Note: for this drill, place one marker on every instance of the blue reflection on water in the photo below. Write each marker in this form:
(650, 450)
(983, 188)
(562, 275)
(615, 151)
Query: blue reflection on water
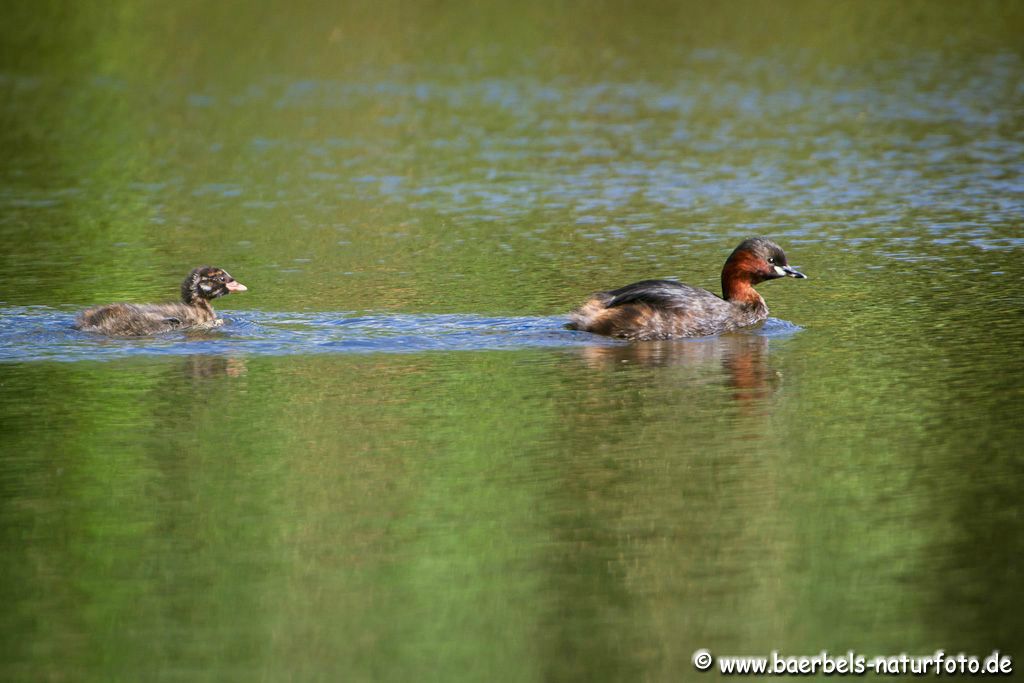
(32, 333)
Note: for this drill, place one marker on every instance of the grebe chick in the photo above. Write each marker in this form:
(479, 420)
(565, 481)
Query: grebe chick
(665, 309)
(133, 320)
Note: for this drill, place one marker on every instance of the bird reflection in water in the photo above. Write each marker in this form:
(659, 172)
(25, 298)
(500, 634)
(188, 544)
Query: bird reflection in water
(743, 359)
(201, 367)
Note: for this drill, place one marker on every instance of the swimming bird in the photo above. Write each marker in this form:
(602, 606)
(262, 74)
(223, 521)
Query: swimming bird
(666, 309)
(201, 286)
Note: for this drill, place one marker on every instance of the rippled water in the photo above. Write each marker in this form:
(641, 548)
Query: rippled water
(393, 462)
(38, 333)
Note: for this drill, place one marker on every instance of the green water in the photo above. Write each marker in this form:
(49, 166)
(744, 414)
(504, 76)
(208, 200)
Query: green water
(245, 509)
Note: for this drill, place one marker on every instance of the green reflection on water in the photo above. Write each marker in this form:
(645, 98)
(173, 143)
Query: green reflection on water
(596, 513)
(566, 513)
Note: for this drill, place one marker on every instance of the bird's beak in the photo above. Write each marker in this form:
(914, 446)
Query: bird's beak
(236, 286)
(789, 271)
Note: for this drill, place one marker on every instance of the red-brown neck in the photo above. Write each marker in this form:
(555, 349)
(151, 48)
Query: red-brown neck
(739, 275)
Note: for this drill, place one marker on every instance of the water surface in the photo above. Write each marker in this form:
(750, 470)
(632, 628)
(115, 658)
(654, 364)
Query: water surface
(392, 462)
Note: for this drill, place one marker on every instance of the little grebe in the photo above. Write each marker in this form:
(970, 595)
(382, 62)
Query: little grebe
(132, 320)
(664, 309)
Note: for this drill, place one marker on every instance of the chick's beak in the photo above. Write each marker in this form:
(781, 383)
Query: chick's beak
(235, 286)
(789, 271)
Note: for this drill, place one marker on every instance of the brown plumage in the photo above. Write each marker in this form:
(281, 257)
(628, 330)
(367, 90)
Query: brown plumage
(133, 320)
(665, 309)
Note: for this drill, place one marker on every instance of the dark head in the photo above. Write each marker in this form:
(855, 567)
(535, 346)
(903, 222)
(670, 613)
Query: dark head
(756, 259)
(207, 282)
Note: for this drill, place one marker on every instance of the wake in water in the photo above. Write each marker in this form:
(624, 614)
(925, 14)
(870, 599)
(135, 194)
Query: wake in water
(40, 333)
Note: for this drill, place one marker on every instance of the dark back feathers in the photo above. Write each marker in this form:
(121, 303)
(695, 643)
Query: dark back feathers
(658, 293)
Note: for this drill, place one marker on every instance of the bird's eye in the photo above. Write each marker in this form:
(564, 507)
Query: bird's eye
(771, 259)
